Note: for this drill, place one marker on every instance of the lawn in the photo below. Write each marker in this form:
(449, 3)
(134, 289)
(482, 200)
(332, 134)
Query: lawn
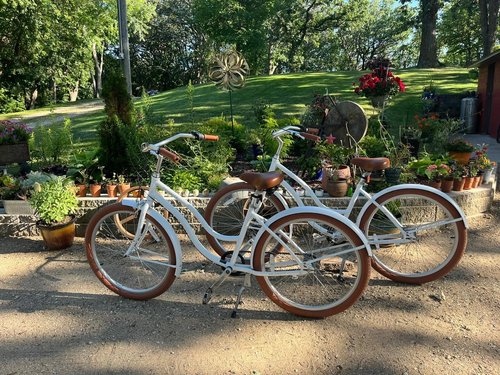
(288, 94)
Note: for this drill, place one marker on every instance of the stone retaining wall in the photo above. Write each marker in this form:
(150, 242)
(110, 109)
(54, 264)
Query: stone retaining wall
(473, 202)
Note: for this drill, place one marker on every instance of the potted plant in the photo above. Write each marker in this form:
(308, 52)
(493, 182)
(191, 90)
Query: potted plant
(458, 173)
(380, 83)
(336, 186)
(459, 150)
(399, 155)
(97, 178)
(335, 161)
(436, 172)
(123, 185)
(14, 142)
(112, 186)
(55, 203)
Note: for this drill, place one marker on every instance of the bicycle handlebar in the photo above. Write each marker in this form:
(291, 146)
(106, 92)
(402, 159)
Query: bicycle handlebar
(158, 149)
(299, 132)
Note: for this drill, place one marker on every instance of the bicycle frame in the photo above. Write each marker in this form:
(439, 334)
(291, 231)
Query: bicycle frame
(358, 192)
(146, 206)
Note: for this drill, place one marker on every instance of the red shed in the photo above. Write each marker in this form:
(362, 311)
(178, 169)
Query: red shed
(488, 89)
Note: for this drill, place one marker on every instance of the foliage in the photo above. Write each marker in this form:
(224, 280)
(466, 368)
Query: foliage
(459, 145)
(437, 172)
(372, 147)
(9, 187)
(335, 154)
(52, 143)
(117, 100)
(183, 178)
(53, 200)
(480, 157)
(381, 81)
(84, 166)
(8, 103)
(437, 131)
(12, 132)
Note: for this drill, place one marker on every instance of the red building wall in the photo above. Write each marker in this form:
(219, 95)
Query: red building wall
(490, 125)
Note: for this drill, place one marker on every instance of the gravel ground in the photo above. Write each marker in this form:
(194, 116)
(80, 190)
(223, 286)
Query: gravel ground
(56, 318)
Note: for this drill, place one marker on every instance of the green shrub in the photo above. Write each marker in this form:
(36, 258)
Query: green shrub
(9, 104)
(372, 146)
(52, 143)
(54, 200)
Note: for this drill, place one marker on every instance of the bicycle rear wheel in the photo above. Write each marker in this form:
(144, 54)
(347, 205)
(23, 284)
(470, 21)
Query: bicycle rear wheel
(332, 281)
(227, 209)
(147, 271)
(434, 241)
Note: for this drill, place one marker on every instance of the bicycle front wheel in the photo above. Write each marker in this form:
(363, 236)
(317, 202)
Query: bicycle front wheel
(335, 261)
(141, 269)
(227, 209)
(430, 242)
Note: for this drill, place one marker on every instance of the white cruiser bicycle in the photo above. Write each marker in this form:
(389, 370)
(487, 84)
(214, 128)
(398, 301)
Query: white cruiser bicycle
(417, 233)
(135, 252)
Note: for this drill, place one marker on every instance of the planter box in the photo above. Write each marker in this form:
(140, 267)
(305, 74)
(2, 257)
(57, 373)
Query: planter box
(17, 153)
(17, 207)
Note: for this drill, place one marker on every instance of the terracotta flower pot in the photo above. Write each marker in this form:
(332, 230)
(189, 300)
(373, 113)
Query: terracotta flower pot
(468, 182)
(461, 158)
(343, 172)
(81, 190)
(458, 184)
(446, 186)
(95, 190)
(123, 187)
(337, 188)
(112, 190)
(58, 236)
(475, 182)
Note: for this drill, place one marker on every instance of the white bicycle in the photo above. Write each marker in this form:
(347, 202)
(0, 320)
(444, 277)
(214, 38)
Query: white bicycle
(134, 250)
(417, 233)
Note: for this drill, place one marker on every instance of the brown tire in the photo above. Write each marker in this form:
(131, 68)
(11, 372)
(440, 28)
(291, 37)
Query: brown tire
(331, 285)
(226, 210)
(428, 254)
(143, 274)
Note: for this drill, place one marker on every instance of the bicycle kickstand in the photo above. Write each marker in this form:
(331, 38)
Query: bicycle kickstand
(246, 284)
(208, 293)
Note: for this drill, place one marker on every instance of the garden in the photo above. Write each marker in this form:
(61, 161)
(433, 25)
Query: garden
(428, 150)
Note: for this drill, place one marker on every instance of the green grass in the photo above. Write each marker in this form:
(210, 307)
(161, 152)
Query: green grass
(288, 94)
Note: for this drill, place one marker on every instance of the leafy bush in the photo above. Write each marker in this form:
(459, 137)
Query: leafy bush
(54, 200)
(183, 178)
(52, 143)
(9, 104)
(372, 146)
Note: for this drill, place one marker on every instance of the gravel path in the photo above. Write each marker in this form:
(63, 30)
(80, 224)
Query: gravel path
(56, 318)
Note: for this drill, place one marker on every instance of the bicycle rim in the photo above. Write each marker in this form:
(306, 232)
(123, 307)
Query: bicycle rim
(147, 271)
(332, 282)
(434, 242)
(227, 209)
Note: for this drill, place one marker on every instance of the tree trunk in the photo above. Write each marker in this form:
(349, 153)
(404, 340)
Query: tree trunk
(30, 98)
(428, 45)
(73, 92)
(98, 65)
(488, 13)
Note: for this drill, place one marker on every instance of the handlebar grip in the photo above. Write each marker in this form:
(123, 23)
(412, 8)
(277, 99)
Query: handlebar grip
(314, 131)
(312, 137)
(169, 155)
(210, 137)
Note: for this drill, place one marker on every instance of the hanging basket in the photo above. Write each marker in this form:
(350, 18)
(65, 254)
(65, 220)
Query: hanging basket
(378, 101)
(16, 153)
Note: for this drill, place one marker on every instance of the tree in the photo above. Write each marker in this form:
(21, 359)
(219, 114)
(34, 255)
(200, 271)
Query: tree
(428, 57)
(459, 32)
(488, 12)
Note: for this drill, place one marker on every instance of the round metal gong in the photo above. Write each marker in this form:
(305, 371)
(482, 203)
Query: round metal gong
(346, 121)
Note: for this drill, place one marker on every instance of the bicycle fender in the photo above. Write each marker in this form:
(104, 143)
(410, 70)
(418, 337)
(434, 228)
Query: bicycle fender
(133, 202)
(417, 187)
(314, 210)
